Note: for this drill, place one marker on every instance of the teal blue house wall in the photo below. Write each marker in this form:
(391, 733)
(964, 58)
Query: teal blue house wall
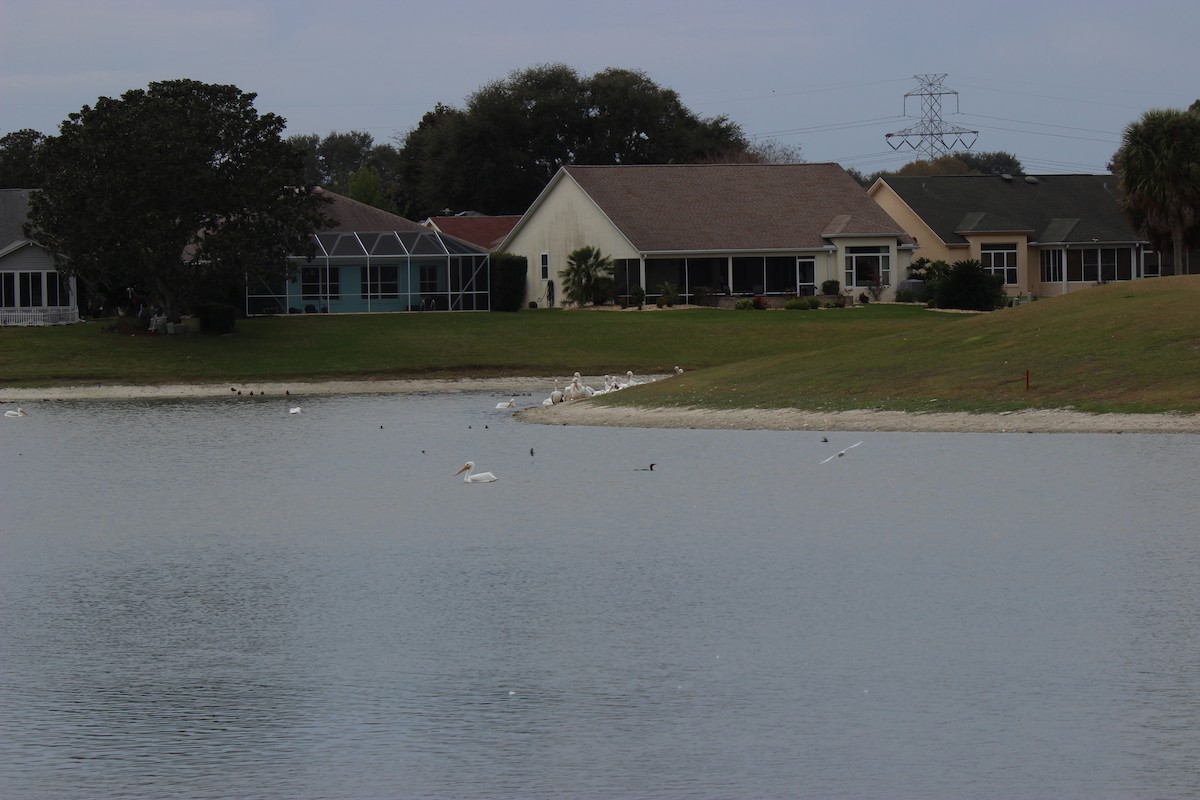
(375, 262)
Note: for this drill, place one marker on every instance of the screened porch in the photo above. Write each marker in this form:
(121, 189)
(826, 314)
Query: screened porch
(385, 271)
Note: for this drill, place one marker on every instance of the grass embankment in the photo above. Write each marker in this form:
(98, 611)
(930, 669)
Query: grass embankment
(1125, 347)
(1131, 347)
(360, 347)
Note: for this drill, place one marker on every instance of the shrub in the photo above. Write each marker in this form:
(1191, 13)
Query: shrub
(814, 303)
(744, 304)
(702, 296)
(905, 296)
(796, 304)
(508, 273)
(668, 294)
(968, 286)
(604, 290)
(863, 298)
(831, 287)
(217, 317)
(761, 303)
(637, 296)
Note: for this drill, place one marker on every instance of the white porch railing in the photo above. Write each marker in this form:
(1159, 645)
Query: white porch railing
(39, 316)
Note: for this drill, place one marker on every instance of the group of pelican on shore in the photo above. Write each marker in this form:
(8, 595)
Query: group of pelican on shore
(576, 389)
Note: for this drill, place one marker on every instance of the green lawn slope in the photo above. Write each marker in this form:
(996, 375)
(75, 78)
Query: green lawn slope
(1132, 346)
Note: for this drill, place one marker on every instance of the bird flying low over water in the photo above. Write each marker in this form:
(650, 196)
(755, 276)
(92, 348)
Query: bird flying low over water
(840, 453)
(474, 477)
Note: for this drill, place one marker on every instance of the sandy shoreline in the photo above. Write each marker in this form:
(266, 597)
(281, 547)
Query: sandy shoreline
(528, 393)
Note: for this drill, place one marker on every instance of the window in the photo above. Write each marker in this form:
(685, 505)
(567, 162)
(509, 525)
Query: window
(58, 289)
(429, 279)
(545, 266)
(1151, 264)
(318, 283)
(30, 284)
(1052, 266)
(380, 283)
(780, 273)
(806, 276)
(8, 289)
(1000, 259)
(868, 266)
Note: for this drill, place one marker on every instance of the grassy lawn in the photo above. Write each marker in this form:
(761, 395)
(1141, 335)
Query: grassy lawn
(1121, 347)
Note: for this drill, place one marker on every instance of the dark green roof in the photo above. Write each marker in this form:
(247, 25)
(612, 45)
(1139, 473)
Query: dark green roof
(1050, 209)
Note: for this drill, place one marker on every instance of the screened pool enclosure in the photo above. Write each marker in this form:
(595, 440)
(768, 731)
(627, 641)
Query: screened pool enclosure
(383, 271)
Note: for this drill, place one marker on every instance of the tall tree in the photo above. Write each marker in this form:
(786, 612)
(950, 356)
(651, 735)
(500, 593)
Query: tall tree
(995, 162)
(1158, 176)
(173, 192)
(18, 159)
(498, 153)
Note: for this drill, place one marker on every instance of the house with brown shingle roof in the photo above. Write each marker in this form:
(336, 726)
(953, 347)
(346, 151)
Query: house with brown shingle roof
(369, 260)
(727, 229)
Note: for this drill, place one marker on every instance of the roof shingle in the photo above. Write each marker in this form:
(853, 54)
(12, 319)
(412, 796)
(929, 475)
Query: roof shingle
(727, 207)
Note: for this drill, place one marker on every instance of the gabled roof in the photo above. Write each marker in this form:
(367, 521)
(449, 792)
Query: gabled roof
(664, 208)
(478, 229)
(359, 229)
(1058, 209)
(351, 216)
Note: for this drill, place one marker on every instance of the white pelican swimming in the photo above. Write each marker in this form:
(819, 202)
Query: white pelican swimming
(474, 477)
(840, 453)
(295, 410)
(510, 404)
(20, 412)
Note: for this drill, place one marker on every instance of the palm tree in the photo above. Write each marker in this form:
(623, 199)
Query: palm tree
(1158, 175)
(584, 266)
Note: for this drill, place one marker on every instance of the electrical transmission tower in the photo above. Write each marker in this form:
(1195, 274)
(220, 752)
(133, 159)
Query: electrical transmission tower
(931, 137)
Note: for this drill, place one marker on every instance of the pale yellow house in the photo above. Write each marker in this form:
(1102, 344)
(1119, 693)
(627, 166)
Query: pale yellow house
(726, 230)
(1043, 234)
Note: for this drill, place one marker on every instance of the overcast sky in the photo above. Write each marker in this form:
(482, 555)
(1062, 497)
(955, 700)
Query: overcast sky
(1052, 82)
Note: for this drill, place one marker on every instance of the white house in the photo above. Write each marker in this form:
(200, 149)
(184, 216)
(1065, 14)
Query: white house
(712, 229)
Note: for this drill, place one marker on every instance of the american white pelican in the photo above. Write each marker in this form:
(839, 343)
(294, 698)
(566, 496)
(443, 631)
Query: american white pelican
(578, 389)
(678, 370)
(295, 410)
(20, 412)
(840, 453)
(646, 469)
(474, 477)
(510, 404)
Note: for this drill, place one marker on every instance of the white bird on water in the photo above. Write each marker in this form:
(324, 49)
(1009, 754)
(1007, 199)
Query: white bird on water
(510, 404)
(20, 412)
(472, 476)
(840, 453)
(295, 410)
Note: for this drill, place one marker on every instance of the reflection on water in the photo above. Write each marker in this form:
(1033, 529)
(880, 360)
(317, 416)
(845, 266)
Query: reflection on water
(214, 599)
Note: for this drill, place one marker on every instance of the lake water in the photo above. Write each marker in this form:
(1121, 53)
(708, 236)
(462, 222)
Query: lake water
(212, 599)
